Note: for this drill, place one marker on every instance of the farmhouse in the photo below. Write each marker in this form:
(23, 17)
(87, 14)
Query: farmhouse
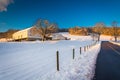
(27, 34)
(32, 34)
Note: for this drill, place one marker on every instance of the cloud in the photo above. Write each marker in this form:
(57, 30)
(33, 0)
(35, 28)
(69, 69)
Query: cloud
(4, 4)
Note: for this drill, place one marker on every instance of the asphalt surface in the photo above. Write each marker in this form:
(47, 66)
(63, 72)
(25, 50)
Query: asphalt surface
(108, 62)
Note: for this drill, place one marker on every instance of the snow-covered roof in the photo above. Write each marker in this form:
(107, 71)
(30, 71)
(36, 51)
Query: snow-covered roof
(24, 29)
(57, 36)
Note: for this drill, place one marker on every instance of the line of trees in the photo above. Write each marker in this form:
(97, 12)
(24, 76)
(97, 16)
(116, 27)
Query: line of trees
(97, 30)
(78, 31)
(8, 34)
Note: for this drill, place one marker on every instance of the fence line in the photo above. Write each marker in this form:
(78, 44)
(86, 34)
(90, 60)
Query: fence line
(85, 48)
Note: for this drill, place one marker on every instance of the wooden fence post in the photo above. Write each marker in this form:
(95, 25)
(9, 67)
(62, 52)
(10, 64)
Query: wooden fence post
(57, 58)
(84, 48)
(87, 47)
(73, 53)
(80, 50)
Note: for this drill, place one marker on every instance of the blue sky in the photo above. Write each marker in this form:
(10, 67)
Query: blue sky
(66, 13)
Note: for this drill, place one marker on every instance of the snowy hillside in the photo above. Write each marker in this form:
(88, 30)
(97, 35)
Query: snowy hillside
(37, 60)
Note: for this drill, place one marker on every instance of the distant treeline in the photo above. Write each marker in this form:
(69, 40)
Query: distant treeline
(86, 31)
(99, 28)
(7, 34)
(78, 31)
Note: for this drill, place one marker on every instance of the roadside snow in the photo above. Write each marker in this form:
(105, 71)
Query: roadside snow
(82, 68)
(117, 43)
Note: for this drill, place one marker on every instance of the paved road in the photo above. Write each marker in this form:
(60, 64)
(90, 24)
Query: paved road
(108, 62)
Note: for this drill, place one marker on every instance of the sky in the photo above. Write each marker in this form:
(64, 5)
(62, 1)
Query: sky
(21, 14)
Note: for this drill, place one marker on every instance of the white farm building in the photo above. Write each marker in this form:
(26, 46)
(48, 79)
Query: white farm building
(27, 34)
(58, 36)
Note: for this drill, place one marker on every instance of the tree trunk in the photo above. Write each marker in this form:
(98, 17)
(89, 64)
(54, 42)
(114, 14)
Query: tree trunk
(99, 37)
(93, 36)
(115, 38)
(43, 38)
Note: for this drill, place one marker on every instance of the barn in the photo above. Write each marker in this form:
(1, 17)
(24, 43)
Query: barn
(58, 36)
(27, 34)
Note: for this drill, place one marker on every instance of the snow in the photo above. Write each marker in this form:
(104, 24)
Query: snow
(3, 40)
(37, 60)
(116, 43)
(82, 68)
(106, 38)
(83, 38)
(80, 38)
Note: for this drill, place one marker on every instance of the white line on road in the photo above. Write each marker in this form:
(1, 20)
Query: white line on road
(114, 49)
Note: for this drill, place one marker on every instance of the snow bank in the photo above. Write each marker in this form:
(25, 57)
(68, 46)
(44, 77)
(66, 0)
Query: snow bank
(117, 43)
(82, 68)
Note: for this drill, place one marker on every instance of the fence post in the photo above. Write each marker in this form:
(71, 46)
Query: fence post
(80, 50)
(84, 48)
(73, 53)
(57, 57)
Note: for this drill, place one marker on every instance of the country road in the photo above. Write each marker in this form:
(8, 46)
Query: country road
(108, 62)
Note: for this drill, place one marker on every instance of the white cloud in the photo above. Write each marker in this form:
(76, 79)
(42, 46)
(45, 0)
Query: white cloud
(4, 4)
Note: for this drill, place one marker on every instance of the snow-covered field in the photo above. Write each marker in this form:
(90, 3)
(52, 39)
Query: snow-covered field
(37, 60)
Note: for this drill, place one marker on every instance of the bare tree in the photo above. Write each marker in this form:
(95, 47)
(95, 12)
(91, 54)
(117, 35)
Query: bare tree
(115, 30)
(98, 28)
(45, 28)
